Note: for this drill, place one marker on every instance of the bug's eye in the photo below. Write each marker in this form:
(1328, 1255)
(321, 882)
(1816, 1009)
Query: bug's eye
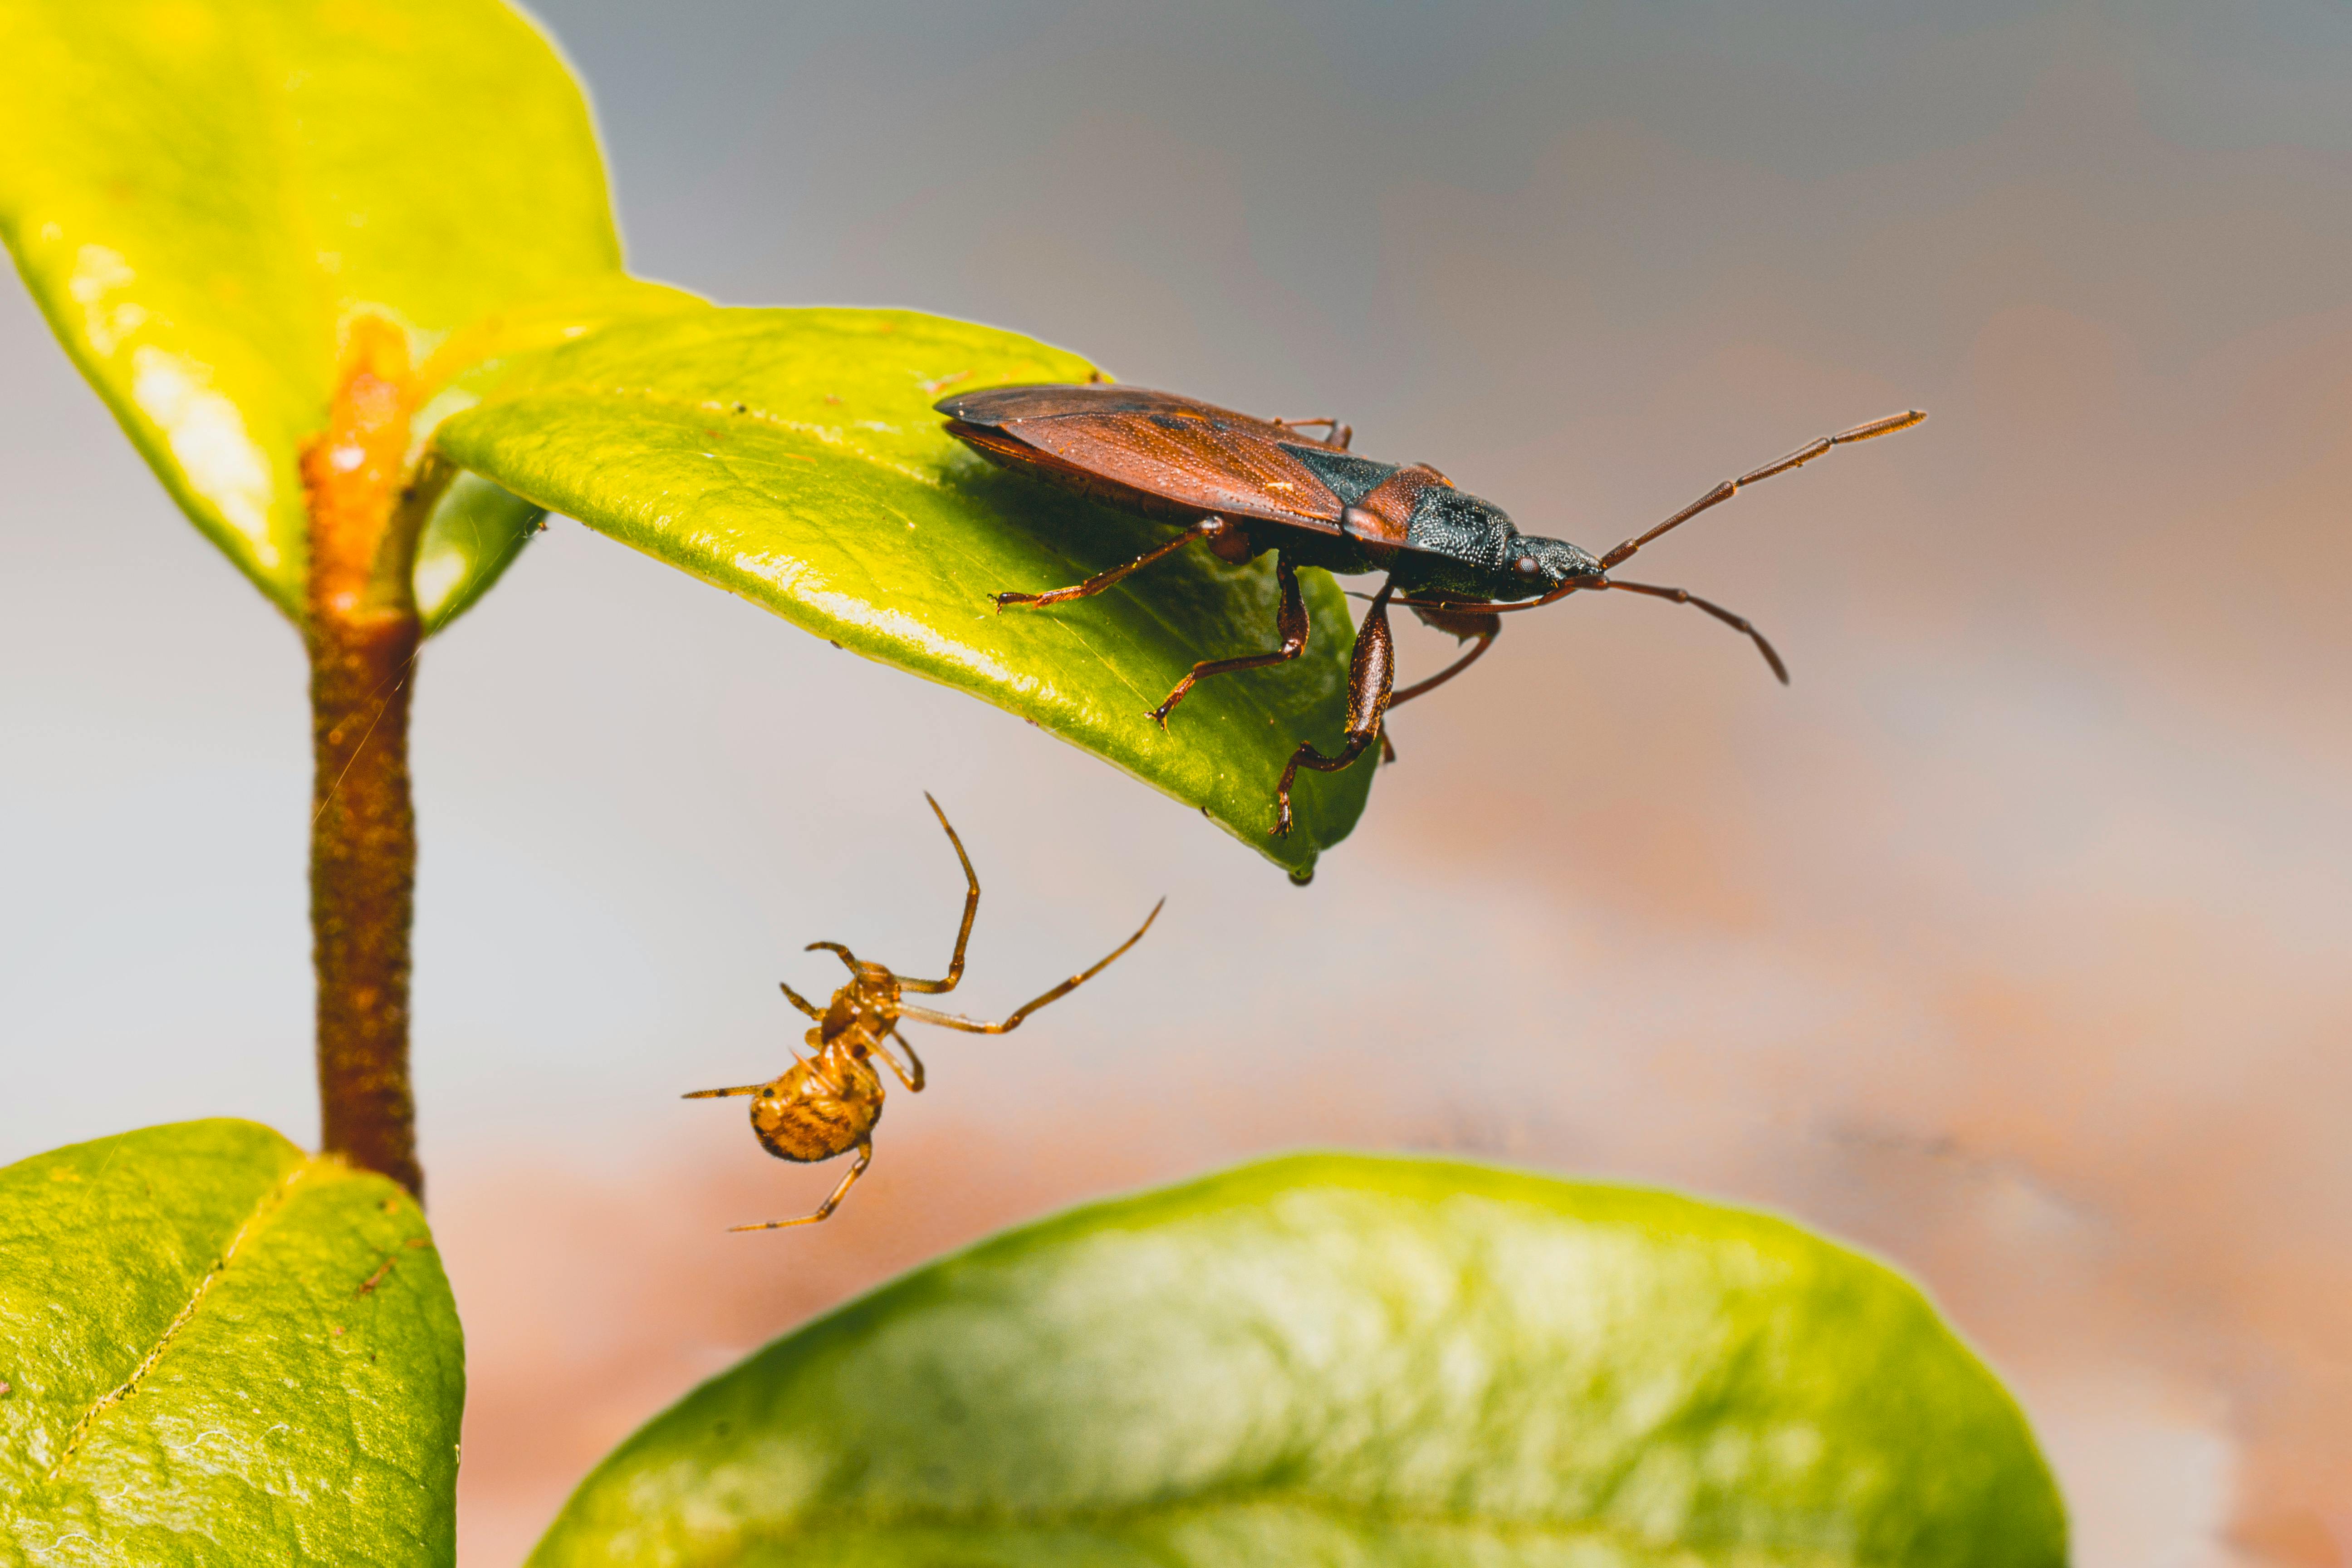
(1526, 566)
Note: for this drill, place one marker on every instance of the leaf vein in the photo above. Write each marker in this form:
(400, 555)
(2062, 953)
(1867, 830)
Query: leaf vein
(268, 1205)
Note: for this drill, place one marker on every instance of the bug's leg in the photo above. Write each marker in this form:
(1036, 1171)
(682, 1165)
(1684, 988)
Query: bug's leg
(723, 1093)
(1371, 671)
(1339, 435)
(803, 1002)
(865, 1158)
(1289, 623)
(980, 1026)
(1796, 460)
(1307, 756)
(1207, 528)
(847, 957)
(970, 908)
(1738, 622)
(914, 1080)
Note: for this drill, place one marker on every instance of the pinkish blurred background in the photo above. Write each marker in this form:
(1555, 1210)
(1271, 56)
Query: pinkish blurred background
(2013, 943)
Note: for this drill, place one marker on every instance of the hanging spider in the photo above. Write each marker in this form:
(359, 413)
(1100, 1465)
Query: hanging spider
(827, 1103)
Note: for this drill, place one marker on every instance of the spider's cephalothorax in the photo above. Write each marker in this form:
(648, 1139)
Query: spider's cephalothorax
(828, 1102)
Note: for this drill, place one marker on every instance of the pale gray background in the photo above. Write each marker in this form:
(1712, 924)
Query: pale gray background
(2012, 942)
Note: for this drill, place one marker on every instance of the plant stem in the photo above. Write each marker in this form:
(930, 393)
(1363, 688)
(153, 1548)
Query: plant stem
(363, 633)
(363, 877)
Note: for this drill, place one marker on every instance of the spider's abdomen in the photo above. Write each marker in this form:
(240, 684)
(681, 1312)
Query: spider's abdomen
(820, 1109)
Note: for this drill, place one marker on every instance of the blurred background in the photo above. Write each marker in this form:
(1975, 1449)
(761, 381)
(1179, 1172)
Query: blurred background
(2013, 943)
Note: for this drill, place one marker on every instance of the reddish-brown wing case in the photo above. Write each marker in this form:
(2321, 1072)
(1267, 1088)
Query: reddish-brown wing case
(1149, 452)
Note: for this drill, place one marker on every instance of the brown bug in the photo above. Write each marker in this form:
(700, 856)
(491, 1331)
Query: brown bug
(1242, 486)
(827, 1102)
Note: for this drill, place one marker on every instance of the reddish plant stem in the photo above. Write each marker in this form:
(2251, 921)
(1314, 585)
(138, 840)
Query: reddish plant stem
(363, 880)
(362, 631)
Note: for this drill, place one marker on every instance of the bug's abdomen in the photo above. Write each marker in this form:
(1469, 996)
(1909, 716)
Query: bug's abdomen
(818, 1110)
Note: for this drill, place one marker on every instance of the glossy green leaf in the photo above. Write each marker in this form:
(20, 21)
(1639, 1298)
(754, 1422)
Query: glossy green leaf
(218, 1350)
(793, 457)
(1329, 1359)
(203, 194)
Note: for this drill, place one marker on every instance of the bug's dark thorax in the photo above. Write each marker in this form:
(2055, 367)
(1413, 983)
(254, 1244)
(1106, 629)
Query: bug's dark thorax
(1409, 521)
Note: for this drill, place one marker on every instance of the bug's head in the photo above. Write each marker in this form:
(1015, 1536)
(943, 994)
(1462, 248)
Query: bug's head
(823, 1106)
(1471, 548)
(1535, 566)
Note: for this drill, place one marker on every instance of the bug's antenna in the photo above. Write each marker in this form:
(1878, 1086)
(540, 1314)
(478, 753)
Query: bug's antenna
(1796, 460)
(1738, 622)
(1589, 585)
(1716, 497)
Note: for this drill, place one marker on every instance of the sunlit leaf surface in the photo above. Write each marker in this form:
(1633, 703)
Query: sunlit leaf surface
(202, 195)
(1337, 1360)
(793, 457)
(218, 1350)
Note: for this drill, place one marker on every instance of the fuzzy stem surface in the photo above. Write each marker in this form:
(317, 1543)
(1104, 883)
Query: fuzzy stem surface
(361, 631)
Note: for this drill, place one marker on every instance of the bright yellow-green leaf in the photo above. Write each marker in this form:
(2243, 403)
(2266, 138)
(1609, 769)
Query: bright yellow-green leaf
(1337, 1360)
(793, 457)
(203, 194)
(218, 1350)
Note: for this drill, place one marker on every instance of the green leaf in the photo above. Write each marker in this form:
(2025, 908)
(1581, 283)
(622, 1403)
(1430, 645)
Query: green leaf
(218, 1350)
(793, 457)
(1342, 1360)
(203, 194)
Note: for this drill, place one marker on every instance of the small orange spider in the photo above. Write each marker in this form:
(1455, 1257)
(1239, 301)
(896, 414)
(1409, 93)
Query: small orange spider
(827, 1103)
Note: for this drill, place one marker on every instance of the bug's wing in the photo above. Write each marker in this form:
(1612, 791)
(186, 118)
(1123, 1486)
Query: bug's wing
(1166, 453)
(1011, 405)
(1200, 465)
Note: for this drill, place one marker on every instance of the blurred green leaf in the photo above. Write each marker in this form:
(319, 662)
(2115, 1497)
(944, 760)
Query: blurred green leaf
(1341, 1359)
(202, 195)
(218, 1350)
(793, 457)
